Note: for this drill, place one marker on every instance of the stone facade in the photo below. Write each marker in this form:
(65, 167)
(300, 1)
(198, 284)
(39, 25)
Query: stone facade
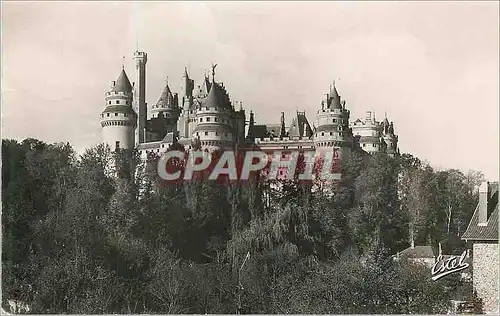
(482, 236)
(204, 116)
(485, 274)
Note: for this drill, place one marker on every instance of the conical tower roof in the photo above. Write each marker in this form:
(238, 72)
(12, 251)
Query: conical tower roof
(217, 97)
(334, 98)
(122, 83)
(166, 100)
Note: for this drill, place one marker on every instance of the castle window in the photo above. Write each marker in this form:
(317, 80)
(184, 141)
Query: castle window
(206, 133)
(334, 120)
(208, 119)
(117, 101)
(374, 145)
(109, 102)
(364, 145)
(331, 133)
(340, 134)
(197, 134)
(201, 119)
(216, 119)
(117, 144)
(107, 114)
(125, 114)
(322, 134)
(116, 114)
(216, 133)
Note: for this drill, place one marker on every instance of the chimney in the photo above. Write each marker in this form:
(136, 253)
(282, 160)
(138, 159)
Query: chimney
(483, 204)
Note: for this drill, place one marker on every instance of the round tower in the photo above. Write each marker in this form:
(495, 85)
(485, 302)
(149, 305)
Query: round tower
(215, 120)
(118, 120)
(370, 133)
(332, 125)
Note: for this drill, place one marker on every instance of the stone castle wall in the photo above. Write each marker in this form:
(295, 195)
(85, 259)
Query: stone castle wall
(485, 274)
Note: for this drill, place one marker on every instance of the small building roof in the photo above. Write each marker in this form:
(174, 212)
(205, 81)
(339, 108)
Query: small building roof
(418, 252)
(299, 126)
(488, 232)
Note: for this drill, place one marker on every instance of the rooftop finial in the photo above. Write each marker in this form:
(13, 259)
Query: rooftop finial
(166, 80)
(123, 62)
(213, 72)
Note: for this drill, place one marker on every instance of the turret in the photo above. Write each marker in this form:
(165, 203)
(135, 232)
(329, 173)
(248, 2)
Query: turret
(118, 120)
(390, 138)
(251, 124)
(332, 124)
(166, 105)
(282, 128)
(216, 120)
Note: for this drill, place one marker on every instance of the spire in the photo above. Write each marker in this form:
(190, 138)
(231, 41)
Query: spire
(391, 128)
(251, 124)
(334, 97)
(186, 73)
(385, 124)
(282, 130)
(122, 83)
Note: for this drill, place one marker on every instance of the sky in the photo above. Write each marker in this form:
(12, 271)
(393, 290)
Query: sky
(432, 66)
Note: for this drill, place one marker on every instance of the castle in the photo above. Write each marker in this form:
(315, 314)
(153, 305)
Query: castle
(203, 116)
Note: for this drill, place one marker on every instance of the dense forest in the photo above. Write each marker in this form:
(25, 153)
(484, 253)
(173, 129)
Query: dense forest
(76, 239)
